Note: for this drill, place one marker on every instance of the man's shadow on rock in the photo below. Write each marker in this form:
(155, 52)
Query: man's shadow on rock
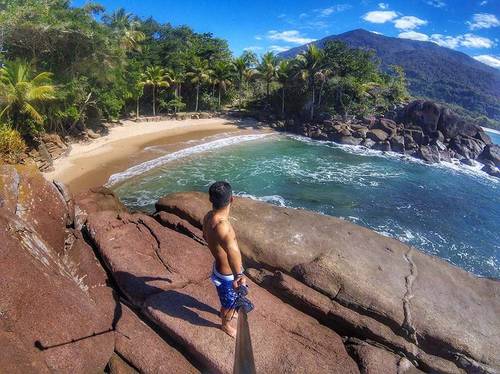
(175, 303)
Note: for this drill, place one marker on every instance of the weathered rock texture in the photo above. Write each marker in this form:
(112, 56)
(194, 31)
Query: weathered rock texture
(43, 299)
(421, 129)
(442, 310)
(167, 275)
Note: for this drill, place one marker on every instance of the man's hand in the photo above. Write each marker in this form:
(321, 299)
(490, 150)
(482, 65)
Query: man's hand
(240, 280)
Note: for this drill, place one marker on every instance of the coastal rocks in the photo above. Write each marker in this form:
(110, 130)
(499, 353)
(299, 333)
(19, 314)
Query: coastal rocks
(146, 351)
(415, 130)
(144, 257)
(492, 153)
(25, 193)
(95, 200)
(284, 340)
(444, 311)
(377, 135)
(48, 305)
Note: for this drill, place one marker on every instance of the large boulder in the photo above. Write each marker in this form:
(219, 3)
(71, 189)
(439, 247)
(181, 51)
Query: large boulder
(284, 340)
(467, 147)
(377, 135)
(452, 125)
(95, 200)
(492, 153)
(43, 303)
(442, 309)
(424, 114)
(145, 257)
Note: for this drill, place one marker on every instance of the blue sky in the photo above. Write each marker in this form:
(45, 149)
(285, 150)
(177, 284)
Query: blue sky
(470, 26)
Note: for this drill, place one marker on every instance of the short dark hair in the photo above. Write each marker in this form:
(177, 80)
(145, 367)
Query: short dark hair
(220, 194)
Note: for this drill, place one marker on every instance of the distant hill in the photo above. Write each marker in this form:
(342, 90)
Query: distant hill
(434, 72)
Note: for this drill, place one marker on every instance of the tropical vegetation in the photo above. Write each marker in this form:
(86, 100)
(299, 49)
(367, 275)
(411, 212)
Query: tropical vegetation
(65, 68)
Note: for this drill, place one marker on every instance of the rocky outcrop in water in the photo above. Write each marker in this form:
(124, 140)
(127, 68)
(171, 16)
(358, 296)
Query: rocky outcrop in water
(365, 285)
(422, 129)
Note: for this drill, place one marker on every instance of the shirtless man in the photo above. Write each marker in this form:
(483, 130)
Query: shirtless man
(227, 273)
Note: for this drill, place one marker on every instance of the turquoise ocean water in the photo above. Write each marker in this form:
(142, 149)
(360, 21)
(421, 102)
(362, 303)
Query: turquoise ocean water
(448, 211)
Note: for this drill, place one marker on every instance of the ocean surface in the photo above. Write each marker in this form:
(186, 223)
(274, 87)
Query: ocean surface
(446, 210)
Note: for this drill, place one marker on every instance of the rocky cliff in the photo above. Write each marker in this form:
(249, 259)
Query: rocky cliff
(88, 286)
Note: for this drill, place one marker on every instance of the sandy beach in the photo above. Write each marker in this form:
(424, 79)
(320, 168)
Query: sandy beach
(90, 164)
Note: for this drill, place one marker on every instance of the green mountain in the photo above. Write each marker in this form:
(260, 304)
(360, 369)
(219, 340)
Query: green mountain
(432, 71)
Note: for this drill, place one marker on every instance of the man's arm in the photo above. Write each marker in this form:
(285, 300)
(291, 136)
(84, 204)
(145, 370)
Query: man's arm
(227, 240)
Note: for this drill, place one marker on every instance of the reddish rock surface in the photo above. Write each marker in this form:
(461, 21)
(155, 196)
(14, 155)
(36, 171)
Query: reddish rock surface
(42, 300)
(95, 200)
(25, 192)
(117, 365)
(284, 340)
(441, 308)
(144, 257)
(140, 346)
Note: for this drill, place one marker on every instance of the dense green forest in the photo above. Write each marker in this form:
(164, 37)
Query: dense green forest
(433, 72)
(65, 67)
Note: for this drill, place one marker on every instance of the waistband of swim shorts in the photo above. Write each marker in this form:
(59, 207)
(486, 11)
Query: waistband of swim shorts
(228, 278)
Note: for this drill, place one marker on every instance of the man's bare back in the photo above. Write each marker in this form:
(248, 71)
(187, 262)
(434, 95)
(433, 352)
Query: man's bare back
(221, 239)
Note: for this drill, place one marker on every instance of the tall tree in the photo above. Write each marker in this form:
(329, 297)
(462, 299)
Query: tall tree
(199, 74)
(155, 77)
(268, 71)
(284, 73)
(125, 27)
(243, 68)
(223, 74)
(309, 63)
(22, 92)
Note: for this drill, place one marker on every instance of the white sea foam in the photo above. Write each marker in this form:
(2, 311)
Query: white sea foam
(272, 199)
(200, 148)
(454, 165)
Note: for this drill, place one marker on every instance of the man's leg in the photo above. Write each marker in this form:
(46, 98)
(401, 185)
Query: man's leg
(226, 318)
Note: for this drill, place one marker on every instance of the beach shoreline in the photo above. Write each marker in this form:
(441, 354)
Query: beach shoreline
(91, 164)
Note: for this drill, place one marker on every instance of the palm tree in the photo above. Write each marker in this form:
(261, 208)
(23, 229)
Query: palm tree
(268, 71)
(284, 73)
(176, 80)
(21, 93)
(242, 66)
(322, 76)
(223, 73)
(199, 74)
(309, 63)
(155, 77)
(125, 26)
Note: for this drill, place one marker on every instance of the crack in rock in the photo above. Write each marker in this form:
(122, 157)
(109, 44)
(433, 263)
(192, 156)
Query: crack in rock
(409, 280)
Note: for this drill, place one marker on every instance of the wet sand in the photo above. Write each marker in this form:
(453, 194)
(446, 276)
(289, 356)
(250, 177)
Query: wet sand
(91, 164)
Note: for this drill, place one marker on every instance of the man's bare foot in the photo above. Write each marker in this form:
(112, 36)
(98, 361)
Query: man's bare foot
(231, 331)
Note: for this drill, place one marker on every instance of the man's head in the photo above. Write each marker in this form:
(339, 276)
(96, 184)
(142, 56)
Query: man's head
(220, 194)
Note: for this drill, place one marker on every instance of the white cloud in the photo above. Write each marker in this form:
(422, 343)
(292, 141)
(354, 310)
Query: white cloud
(289, 36)
(452, 42)
(446, 41)
(483, 21)
(436, 3)
(493, 61)
(409, 23)
(325, 12)
(278, 48)
(483, 3)
(383, 5)
(474, 41)
(258, 37)
(376, 32)
(380, 16)
(413, 35)
(253, 48)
